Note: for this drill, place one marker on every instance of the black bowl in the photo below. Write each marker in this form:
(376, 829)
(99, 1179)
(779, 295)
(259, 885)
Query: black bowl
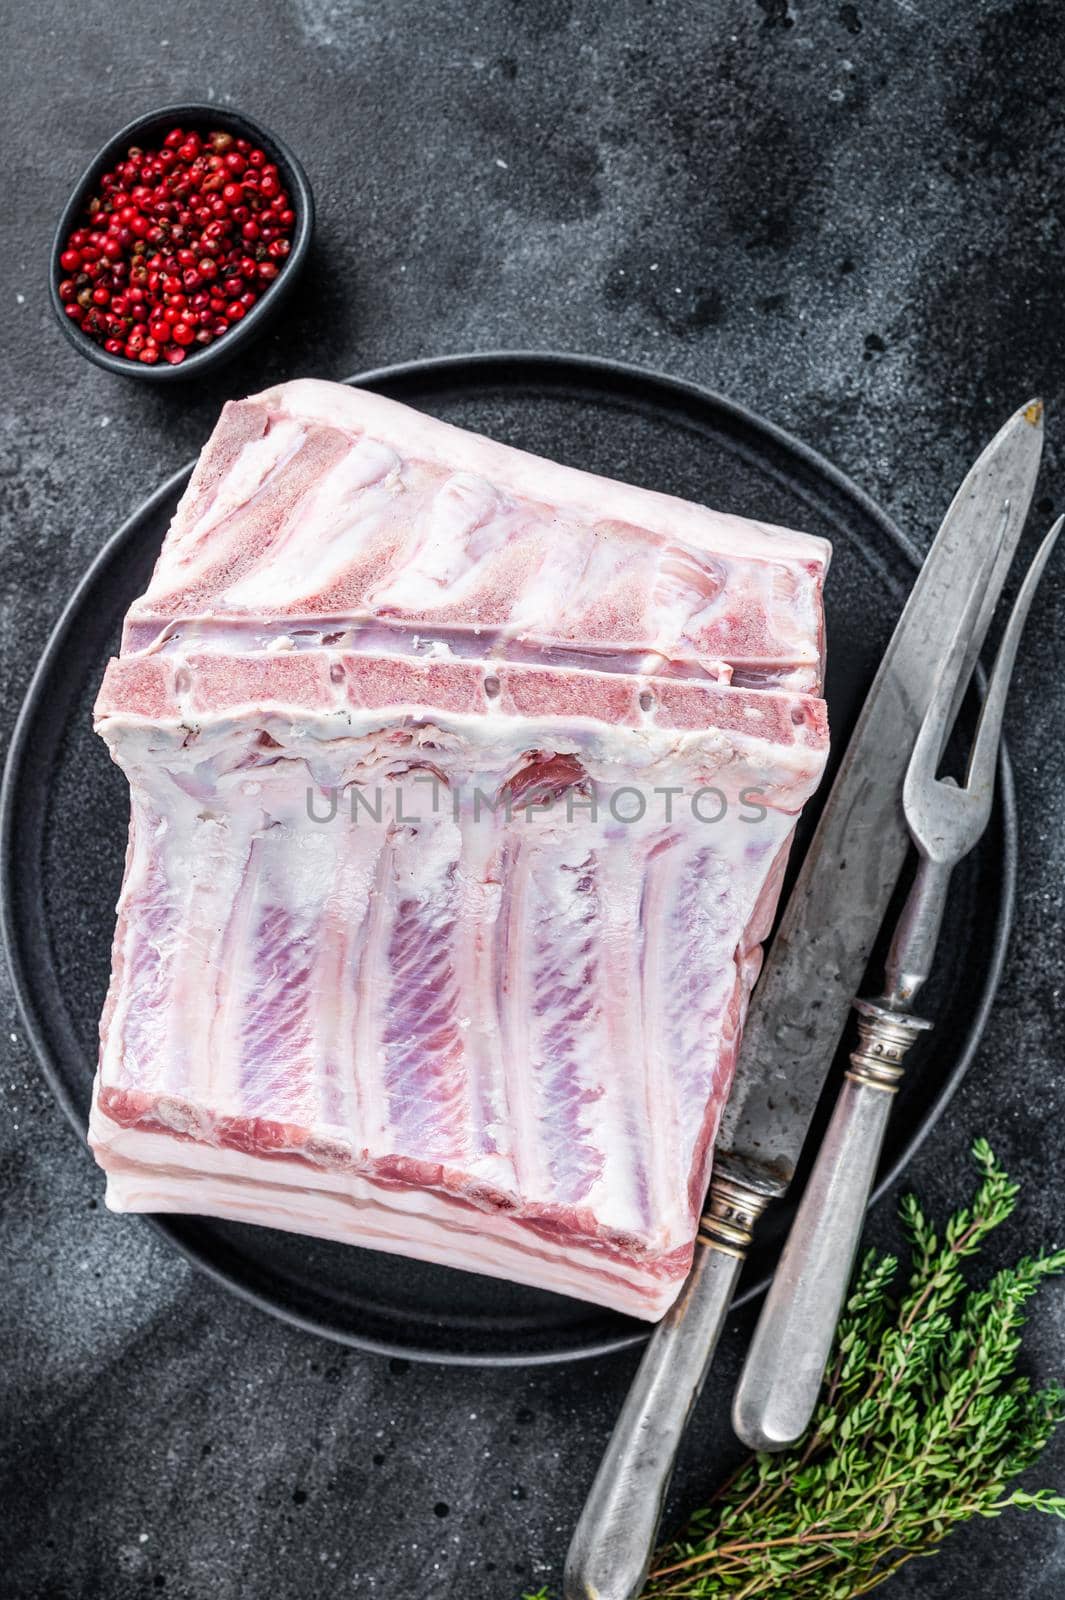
(151, 129)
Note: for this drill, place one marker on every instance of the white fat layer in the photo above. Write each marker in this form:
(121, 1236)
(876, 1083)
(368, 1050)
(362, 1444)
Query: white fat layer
(583, 493)
(613, 753)
(284, 978)
(189, 550)
(314, 550)
(155, 1172)
(494, 538)
(439, 554)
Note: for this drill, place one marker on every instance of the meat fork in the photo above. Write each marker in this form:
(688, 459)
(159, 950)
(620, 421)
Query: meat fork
(781, 1378)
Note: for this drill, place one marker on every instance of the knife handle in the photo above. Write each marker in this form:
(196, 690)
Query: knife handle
(611, 1549)
(781, 1378)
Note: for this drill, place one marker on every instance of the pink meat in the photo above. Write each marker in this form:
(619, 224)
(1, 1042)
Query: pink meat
(445, 887)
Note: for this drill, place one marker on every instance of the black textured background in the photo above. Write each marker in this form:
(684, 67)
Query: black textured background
(847, 216)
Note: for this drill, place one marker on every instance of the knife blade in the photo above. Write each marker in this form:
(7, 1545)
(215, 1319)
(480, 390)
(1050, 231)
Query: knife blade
(799, 1010)
(835, 911)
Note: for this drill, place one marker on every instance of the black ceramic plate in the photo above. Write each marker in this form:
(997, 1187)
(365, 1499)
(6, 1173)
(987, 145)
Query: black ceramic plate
(65, 812)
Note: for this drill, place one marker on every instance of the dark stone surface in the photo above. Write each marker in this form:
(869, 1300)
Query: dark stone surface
(848, 217)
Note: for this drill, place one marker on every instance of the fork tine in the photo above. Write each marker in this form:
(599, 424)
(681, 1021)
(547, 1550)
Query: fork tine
(939, 718)
(980, 776)
(946, 821)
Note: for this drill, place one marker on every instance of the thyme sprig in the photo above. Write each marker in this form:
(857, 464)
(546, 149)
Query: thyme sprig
(922, 1423)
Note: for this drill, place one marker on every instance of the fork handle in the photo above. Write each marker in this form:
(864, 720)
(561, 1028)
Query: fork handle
(781, 1378)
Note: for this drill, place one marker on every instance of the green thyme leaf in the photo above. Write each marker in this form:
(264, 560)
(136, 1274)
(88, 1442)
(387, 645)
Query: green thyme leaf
(922, 1424)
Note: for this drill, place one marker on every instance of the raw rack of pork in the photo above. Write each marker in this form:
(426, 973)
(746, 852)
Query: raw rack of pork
(414, 948)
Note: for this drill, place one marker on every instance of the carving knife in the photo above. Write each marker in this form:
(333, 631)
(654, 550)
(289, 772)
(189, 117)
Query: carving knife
(801, 1005)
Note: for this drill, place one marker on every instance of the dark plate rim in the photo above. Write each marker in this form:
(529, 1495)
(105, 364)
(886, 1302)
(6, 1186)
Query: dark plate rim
(487, 363)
